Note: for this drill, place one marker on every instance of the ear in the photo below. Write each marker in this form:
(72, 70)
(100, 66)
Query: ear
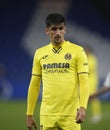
(47, 31)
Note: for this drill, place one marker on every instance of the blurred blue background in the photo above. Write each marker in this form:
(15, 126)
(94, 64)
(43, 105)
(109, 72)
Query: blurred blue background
(22, 30)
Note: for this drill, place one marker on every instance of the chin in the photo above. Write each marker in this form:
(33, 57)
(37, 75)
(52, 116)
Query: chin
(58, 41)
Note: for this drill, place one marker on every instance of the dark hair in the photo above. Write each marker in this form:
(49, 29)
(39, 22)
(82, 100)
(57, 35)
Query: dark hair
(54, 18)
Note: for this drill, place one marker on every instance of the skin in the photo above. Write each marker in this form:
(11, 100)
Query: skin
(31, 123)
(56, 34)
(81, 114)
(103, 90)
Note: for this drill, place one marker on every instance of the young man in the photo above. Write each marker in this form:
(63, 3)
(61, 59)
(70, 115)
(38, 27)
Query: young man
(63, 67)
(104, 89)
(95, 104)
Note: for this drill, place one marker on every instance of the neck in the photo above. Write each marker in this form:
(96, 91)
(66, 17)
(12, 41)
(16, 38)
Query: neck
(57, 44)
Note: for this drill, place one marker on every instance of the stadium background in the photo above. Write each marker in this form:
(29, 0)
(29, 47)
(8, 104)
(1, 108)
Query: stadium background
(22, 31)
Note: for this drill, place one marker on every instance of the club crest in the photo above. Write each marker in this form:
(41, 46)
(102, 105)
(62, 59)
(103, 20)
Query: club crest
(68, 56)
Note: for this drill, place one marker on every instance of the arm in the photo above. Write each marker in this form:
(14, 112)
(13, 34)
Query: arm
(84, 94)
(99, 92)
(33, 93)
(104, 89)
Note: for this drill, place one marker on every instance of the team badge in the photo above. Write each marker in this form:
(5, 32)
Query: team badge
(68, 56)
(44, 57)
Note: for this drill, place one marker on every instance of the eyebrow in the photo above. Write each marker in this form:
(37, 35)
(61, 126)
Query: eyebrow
(55, 28)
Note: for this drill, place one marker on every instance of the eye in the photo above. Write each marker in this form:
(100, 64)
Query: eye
(57, 28)
(53, 28)
(61, 28)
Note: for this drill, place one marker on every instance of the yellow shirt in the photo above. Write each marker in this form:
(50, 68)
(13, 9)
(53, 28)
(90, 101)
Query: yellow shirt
(59, 70)
(93, 75)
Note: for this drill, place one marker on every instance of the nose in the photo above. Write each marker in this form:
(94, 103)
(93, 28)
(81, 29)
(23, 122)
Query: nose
(57, 31)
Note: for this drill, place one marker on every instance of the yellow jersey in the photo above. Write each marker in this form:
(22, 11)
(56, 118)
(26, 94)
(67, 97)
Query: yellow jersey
(59, 69)
(93, 75)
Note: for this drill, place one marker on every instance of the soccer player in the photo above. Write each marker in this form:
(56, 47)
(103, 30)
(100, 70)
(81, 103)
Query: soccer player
(63, 68)
(104, 89)
(95, 104)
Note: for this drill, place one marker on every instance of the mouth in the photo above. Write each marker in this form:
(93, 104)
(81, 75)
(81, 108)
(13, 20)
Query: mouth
(57, 37)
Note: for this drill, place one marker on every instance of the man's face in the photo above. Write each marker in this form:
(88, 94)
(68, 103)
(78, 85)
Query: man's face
(56, 33)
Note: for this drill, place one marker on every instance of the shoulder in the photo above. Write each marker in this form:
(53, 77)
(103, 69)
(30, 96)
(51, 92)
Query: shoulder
(40, 52)
(42, 49)
(74, 45)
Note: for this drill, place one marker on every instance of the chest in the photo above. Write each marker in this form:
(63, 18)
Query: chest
(62, 59)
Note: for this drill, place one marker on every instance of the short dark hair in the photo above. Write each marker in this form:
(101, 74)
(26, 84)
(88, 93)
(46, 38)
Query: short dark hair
(54, 18)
